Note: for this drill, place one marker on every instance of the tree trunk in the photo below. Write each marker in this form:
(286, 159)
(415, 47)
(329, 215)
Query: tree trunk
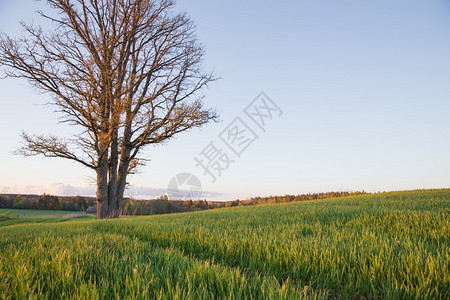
(102, 189)
(113, 201)
(122, 174)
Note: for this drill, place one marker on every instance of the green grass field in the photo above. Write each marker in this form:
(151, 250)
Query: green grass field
(38, 213)
(388, 246)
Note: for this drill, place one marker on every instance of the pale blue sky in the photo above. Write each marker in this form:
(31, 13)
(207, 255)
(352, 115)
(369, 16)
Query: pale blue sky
(364, 87)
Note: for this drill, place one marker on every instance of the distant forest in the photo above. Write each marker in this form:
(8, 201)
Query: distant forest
(161, 205)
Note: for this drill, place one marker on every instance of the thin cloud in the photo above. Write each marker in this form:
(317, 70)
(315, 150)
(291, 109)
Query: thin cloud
(61, 189)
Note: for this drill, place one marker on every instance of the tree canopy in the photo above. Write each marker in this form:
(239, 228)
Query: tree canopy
(127, 72)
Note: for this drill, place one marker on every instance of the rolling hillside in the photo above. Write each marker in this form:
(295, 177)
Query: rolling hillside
(390, 245)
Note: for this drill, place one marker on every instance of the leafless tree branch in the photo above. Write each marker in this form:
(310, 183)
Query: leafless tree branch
(128, 72)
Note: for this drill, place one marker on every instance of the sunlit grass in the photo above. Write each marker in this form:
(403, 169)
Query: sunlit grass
(41, 213)
(393, 245)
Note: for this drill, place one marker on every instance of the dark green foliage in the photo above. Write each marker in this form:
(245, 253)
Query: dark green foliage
(47, 202)
(7, 216)
(293, 198)
(150, 207)
(6, 201)
(18, 202)
(66, 205)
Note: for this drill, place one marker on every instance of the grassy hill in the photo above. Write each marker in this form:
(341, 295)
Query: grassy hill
(41, 213)
(390, 245)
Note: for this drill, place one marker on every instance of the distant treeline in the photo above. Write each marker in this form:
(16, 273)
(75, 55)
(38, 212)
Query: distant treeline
(45, 201)
(293, 198)
(161, 205)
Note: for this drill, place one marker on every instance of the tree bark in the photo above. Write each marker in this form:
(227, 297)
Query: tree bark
(102, 188)
(113, 200)
(122, 175)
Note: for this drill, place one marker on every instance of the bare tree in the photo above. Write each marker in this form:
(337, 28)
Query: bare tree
(127, 72)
